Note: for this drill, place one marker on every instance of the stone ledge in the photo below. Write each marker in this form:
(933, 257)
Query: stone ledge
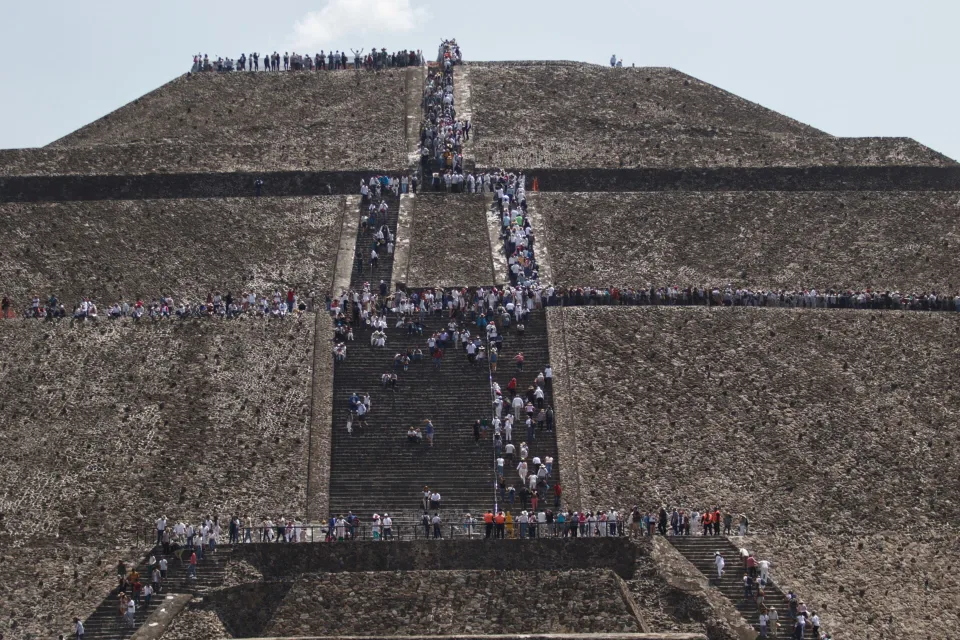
(161, 619)
(513, 636)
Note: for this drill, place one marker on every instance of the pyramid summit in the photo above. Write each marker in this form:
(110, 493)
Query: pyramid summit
(426, 346)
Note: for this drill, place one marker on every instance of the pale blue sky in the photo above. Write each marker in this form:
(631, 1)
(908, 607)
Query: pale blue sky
(851, 68)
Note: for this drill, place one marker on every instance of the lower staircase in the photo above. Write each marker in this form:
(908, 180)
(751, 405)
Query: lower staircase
(700, 550)
(533, 344)
(107, 623)
(375, 468)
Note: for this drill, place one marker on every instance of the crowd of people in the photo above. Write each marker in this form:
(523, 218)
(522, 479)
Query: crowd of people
(441, 134)
(734, 296)
(383, 241)
(249, 303)
(372, 60)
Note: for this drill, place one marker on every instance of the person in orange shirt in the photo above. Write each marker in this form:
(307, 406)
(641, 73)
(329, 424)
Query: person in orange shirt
(500, 520)
(717, 517)
(488, 523)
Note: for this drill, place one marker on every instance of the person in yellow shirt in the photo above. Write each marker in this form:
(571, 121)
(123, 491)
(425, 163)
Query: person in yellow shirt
(509, 522)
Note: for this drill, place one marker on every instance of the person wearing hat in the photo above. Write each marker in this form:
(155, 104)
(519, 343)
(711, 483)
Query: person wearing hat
(720, 562)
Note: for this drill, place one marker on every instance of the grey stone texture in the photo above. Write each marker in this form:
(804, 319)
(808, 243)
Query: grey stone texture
(121, 250)
(581, 115)
(109, 425)
(449, 243)
(830, 429)
(317, 121)
(279, 562)
(192, 624)
(453, 602)
(321, 421)
(905, 241)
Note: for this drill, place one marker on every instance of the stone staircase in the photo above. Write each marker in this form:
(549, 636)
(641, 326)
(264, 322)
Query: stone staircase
(375, 469)
(365, 243)
(536, 354)
(106, 623)
(699, 550)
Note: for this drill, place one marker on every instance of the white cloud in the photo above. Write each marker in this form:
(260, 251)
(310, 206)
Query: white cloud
(339, 20)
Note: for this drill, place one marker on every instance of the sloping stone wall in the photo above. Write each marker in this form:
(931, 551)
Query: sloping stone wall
(832, 430)
(580, 115)
(453, 602)
(906, 241)
(286, 561)
(109, 425)
(449, 243)
(121, 250)
(337, 120)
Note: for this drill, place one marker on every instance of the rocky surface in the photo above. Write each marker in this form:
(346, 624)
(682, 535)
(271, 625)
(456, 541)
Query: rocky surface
(829, 428)
(547, 114)
(906, 241)
(116, 250)
(109, 425)
(323, 120)
(453, 602)
(240, 572)
(192, 624)
(175, 157)
(886, 584)
(449, 243)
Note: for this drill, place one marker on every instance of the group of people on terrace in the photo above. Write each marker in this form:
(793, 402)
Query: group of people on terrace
(250, 303)
(279, 304)
(372, 60)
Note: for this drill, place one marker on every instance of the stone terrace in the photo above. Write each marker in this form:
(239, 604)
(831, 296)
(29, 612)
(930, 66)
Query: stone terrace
(833, 430)
(330, 121)
(886, 240)
(108, 425)
(187, 248)
(449, 242)
(453, 602)
(580, 115)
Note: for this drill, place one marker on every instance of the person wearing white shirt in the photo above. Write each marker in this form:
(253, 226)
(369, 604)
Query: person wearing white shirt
(161, 526)
(387, 527)
(517, 407)
(720, 562)
(764, 570)
(131, 613)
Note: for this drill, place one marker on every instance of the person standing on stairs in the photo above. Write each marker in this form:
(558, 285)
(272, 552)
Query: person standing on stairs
(161, 526)
(428, 430)
(719, 561)
(437, 534)
(131, 613)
